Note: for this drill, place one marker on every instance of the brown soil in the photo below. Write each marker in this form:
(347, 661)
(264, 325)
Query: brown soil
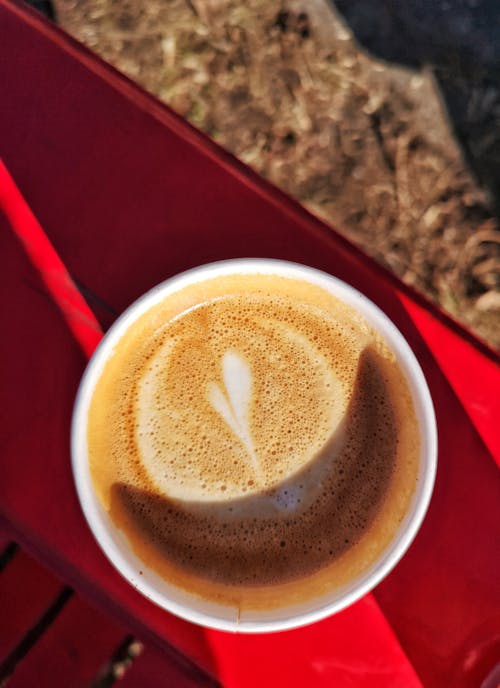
(365, 145)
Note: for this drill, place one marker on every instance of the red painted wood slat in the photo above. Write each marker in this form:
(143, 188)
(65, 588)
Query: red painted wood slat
(154, 669)
(27, 589)
(474, 378)
(324, 654)
(72, 650)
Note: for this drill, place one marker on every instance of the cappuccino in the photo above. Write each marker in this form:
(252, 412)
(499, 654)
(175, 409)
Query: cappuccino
(254, 439)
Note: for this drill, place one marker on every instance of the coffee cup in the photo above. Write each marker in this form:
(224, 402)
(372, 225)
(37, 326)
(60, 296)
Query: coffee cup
(254, 445)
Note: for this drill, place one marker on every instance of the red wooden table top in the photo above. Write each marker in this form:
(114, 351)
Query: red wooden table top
(129, 194)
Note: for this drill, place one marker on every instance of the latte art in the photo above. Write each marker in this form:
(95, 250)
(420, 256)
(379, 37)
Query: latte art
(253, 433)
(221, 408)
(233, 406)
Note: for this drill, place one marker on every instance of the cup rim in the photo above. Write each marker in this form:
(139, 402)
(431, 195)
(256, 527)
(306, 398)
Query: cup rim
(112, 544)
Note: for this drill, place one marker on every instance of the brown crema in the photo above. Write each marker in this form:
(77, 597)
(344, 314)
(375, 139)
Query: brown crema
(255, 440)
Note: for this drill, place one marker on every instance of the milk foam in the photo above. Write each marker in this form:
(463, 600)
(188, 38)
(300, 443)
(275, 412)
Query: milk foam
(225, 399)
(232, 403)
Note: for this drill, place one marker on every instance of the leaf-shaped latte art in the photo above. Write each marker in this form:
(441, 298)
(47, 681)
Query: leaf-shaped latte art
(233, 402)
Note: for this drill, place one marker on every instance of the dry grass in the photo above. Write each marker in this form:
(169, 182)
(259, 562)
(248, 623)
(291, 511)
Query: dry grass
(364, 145)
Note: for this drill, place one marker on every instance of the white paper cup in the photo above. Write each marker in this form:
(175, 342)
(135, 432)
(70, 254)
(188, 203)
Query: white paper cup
(189, 606)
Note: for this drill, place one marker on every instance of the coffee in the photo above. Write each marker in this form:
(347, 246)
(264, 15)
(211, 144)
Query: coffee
(255, 439)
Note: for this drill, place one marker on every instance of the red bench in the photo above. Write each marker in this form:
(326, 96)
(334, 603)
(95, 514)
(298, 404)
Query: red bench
(129, 194)
(49, 636)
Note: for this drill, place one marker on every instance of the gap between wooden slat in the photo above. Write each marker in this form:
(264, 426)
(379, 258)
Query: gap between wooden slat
(7, 554)
(34, 633)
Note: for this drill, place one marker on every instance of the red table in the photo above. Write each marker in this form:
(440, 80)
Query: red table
(129, 194)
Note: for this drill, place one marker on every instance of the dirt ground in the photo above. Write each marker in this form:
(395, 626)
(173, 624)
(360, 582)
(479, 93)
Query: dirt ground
(363, 144)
